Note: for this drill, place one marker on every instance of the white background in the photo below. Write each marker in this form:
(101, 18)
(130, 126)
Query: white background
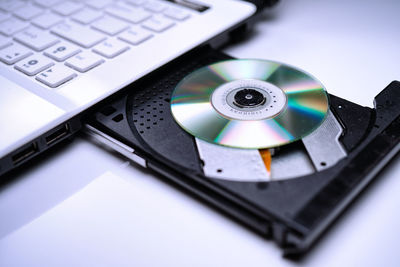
(85, 206)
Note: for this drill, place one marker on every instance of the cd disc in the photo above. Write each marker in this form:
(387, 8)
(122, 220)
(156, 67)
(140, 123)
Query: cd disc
(250, 104)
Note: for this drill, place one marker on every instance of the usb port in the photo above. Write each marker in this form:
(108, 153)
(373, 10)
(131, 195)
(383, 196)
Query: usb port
(57, 134)
(24, 153)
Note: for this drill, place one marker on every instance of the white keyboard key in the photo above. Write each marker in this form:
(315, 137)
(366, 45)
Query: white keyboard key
(35, 39)
(176, 13)
(136, 2)
(47, 20)
(84, 61)
(62, 51)
(56, 75)
(98, 4)
(110, 25)
(28, 12)
(78, 34)
(4, 42)
(155, 6)
(47, 3)
(11, 26)
(14, 53)
(4, 16)
(67, 8)
(10, 5)
(131, 14)
(87, 16)
(34, 64)
(110, 48)
(135, 36)
(158, 24)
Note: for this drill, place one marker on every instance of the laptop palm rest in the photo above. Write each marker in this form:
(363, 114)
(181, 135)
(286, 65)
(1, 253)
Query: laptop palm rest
(22, 114)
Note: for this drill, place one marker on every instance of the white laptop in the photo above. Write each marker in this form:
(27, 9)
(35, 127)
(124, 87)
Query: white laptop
(58, 58)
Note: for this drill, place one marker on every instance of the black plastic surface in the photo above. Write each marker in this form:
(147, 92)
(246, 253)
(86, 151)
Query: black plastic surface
(357, 121)
(261, 4)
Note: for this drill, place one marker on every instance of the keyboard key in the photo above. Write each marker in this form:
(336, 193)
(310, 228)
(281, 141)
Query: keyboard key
(47, 20)
(11, 26)
(131, 14)
(35, 39)
(155, 6)
(110, 48)
(78, 34)
(28, 12)
(67, 8)
(14, 53)
(158, 24)
(87, 16)
(4, 42)
(10, 5)
(98, 4)
(84, 61)
(62, 51)
(34, 64)
(136, 2)
(47, 3)
(110, 25)
(135, 36)
(176, 13)
(56, 75)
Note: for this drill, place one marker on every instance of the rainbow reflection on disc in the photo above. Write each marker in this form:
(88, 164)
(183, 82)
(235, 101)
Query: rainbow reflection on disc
(250, 104)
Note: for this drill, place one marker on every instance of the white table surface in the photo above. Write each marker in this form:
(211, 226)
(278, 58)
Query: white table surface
(82, 205)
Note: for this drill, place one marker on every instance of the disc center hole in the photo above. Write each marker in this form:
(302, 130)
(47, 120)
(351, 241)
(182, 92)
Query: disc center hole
(248, 98)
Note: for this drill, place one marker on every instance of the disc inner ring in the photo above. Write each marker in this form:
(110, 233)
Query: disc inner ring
(248, 99)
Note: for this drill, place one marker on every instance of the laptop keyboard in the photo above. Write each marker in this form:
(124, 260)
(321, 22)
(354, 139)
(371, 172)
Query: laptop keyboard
(55, 41)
